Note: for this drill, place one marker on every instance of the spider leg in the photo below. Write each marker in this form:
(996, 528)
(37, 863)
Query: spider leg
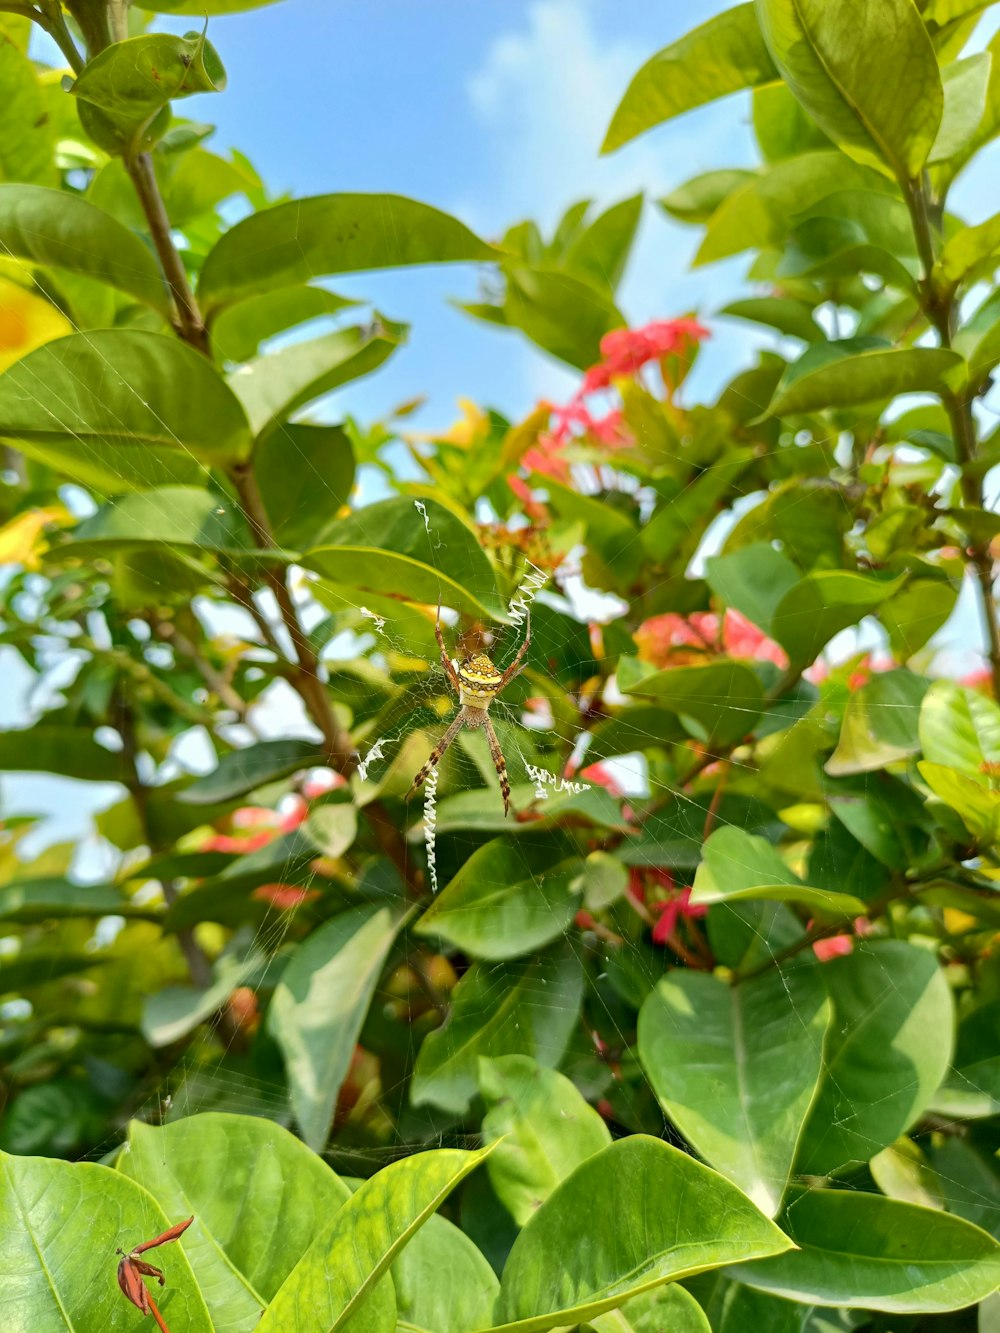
(450, 671)
(435, 755)
(515, 666)
(499, 763)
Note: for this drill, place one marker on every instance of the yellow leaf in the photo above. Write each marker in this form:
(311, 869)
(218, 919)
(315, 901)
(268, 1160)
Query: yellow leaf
(21, 540)
(26, 321)
(472, 426)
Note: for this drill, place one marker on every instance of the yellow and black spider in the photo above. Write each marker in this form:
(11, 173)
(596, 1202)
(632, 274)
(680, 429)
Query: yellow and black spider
(477, 682)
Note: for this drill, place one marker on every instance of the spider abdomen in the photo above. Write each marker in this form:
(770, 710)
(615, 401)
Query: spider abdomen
(479, 680)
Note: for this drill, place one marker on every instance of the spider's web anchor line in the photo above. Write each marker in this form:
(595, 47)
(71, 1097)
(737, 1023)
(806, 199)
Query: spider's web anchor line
(430, 826)
(543, 779)
(525, 595)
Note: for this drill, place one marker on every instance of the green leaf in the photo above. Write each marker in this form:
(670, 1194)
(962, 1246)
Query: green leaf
(867, 75)
(242, 770)
(725, 698)
(26, 144)
(789, 316)
(387, 547)
(225, 1169)
(507, 1009)
(62, 230)
(205, 8)
(302, 240)
(71, 752)
(979, 806)
(960, 728)
(319, 1005)
(758, 215)
(669, 1307)
(753, 580)
(722, 56)
(781, 125)
(888, 1049)
(846, 375)
(171, 1013)
(697, 199)
(878, 1254)
(238, 330)
(565, 316)
(736, 1068)
(44, 898)
(543, 1129)
(820, 606)
(131, 82)
(505, 901)
(880, 724)
(329, 1285)
(121, 391)
(443, 1282)
(176, 516)
(305, 474)
(965, 86)
(738, 865)
(61, 1223)
(576, 1258)
(275, 385)
(966, 251)
(599, 253)
(332, 828)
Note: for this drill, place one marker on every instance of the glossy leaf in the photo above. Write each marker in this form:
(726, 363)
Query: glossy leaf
(862, 1250)
(306, 474)
(327, 1289)
(965, 86)
(966, 251)
(275, 385)
(889, 1047)
(542, 1127)
(238, 330)
(319, 1005)
(175, 516)
(62, 1222)
(724, 698)
(443, 1282)
(669, 1307)
(557, 1275)
(817, 608)
(48, 748)
(173, 1011)
(867, 76)
(880, 724)
(722, 56)
(506, 1009)
(387, 547)
(697, 199)
(789, 316)
(44, 898)
(834, 375)
(506, 901)
(241, 771)
(960, 728)
(25, 133)
(736, 1068)
(738, 865)
(335, 233)
(116, 391)
(62, 230)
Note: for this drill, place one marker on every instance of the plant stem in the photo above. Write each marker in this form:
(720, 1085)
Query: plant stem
(190, 324)
(49, 18)
(942, 313)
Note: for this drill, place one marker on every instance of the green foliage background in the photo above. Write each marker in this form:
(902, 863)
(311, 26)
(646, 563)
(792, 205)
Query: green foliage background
(719, 1055)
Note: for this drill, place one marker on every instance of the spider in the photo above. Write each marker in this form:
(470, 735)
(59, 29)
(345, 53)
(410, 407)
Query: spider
(477, 682)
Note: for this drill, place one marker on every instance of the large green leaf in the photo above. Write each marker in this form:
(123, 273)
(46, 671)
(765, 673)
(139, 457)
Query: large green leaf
(443, 1282)
(121, 391)
(275, 385)
(577, 1257)
(72, 752)
(759, 214)
(753, 580)
(879, 1254)
(62, 230)
(328, 1287)
(697, 199)
(788, 315)
(62, 1222)
(527, 1009)
(722, 56)
(26, 144)
(171, 1012)
(543, 1129)
(174, 516)
(850, 375)
(888, 1049)
(333, 233)
(820, 606)
(725, 698)
(305, 474)
(238, 330)
(737, 865)
(505, 901)
(319, 1005)
(390, 547)
(736, 1068)
(243, 770)
(960, 728)
(44, 898)
(880, 724)
(225, 1169)
(965, 84)
(867, 74)
(669, 1307)
(965, 252)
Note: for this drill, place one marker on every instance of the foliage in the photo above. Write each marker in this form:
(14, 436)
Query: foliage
(775, 953)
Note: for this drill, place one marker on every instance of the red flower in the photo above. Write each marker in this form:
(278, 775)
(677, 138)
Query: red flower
(284, 896)
(671, 910)
(834, 947)
(672, 640)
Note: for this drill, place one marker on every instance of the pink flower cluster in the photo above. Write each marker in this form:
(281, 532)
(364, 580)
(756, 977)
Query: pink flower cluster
(626, 351)
(671, 640)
